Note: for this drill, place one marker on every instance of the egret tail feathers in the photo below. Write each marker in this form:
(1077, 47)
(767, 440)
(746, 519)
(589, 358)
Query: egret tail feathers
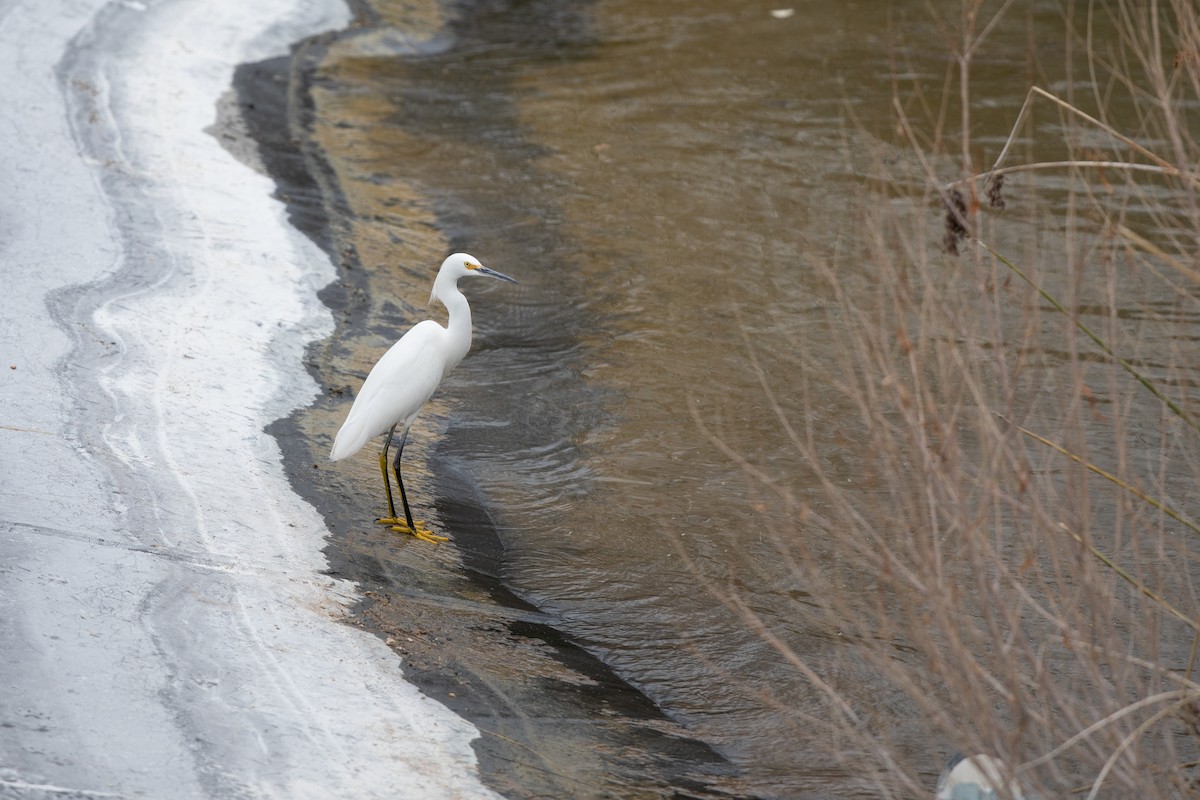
(350, 439)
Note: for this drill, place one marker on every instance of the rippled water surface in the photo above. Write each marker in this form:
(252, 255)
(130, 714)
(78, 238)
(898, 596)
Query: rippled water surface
(663, 178)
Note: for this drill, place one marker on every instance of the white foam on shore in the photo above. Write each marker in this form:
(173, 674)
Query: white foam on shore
(165, 630)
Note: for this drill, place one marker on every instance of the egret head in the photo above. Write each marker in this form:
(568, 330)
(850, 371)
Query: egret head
(460, 265)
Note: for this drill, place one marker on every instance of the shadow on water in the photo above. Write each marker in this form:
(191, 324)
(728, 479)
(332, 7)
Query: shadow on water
(555, 721)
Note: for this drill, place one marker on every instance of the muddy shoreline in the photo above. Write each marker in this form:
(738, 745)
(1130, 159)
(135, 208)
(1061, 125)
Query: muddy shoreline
(555, 721)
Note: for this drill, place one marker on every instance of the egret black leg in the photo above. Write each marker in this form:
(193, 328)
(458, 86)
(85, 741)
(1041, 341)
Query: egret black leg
(400, 481)
(406, 525)
(387, 484)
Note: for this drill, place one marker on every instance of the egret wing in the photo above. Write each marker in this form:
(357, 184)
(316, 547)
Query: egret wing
(396, 388)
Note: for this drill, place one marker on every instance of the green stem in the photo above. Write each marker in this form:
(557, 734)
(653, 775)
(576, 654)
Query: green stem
(1144, 381)
(1138, 493)
(1132, 581)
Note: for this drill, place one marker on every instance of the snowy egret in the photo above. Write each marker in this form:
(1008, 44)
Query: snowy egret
(405, 377)
(979, 777)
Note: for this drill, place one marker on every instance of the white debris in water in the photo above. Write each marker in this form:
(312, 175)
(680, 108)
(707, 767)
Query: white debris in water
(164, 627)
(782, 13)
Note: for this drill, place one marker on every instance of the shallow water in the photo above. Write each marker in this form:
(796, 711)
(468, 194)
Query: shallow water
(662, 179)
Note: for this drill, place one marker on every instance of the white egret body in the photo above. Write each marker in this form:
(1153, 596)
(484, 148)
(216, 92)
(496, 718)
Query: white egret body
(406, 376)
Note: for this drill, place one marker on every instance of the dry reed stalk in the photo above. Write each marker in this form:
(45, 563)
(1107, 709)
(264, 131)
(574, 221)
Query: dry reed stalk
(1034, 598)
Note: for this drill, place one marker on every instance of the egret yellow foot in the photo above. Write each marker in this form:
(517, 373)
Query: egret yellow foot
(421, 532)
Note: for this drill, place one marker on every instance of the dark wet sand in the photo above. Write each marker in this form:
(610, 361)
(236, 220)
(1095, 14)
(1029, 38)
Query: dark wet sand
(555, 721)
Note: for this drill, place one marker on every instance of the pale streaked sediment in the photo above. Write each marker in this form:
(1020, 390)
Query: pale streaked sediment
(164, 624)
